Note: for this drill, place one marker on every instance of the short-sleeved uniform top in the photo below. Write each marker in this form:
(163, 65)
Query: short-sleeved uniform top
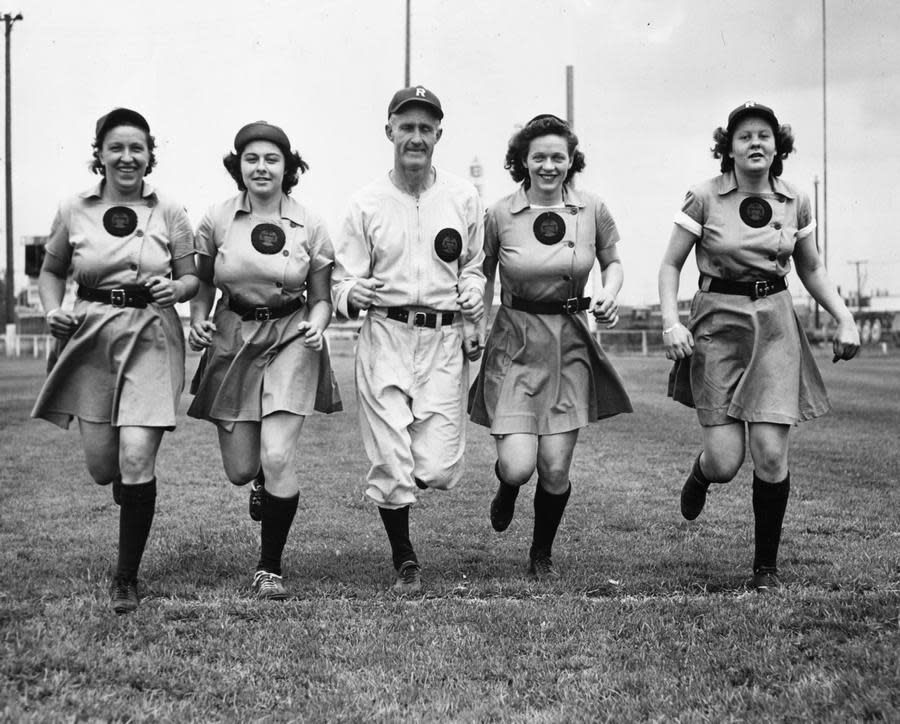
(751, 360)
(542, 373)
(123, 365)
(256, 368)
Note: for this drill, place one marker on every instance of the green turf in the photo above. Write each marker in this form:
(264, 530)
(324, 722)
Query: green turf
(650, 620)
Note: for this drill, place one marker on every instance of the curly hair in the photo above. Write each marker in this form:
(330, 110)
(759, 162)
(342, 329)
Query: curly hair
(542, 125)
(784, 145)
(294, 165)
(96, 165)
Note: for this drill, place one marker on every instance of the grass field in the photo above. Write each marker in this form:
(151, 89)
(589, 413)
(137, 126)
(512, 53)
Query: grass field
(650, 620)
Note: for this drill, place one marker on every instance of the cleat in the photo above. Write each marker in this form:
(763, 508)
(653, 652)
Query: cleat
(409, 581)
(124, 595)
(503, 507)
(257, 489)
(268, 586)
(764, 579)
(693, 497)
(541, 568)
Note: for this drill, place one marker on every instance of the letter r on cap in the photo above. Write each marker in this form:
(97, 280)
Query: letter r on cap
(420, 92)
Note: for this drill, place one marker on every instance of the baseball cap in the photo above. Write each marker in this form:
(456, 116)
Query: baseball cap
(120, 117)
(261, 131)
(751, 108)
(415, 94)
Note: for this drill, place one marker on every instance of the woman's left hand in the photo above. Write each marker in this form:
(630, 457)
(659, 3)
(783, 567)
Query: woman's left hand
(313, 337)
(845, 342)
(605, 309)
(164, 291)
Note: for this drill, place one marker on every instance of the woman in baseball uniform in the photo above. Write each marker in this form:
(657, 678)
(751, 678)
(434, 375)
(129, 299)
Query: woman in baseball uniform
(743, 360)
(120, 369)
(544, 376)
(266, 364)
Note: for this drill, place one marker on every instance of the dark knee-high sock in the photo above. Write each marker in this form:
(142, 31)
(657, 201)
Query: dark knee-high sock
(548, 512)
(507, 492)
(138, 504)
(277, 517)
(769, 504)
(396, 525)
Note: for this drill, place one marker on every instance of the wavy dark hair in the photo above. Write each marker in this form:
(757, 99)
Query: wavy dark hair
(543, 125)
(294, 165)
(784, 145)
(96, 165)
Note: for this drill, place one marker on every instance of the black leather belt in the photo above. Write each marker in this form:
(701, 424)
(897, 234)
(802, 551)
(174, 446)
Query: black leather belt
(130, 295)
(419, 319)
(253, 313)
(754, 290)
(572, 305)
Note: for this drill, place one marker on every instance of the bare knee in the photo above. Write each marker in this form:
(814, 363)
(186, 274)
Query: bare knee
(240, 472)
(770, 464)
(720, 467)
(103, 471)
(516, 472)
(554, 476)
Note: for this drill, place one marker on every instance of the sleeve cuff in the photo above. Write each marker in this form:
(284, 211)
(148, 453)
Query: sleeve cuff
(688, 224)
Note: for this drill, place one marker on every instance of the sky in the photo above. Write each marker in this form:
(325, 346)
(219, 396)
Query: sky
(652, 80)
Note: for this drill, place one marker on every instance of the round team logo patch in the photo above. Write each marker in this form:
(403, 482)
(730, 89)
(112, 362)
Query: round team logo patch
(755, 212)
(549, 228)
(120, 220)
(267, 238)
(448, 244)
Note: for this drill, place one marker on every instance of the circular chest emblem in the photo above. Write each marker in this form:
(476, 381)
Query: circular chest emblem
(448, 244)
(267, 238)
(120, 221)
(755, 212)
(549, 228)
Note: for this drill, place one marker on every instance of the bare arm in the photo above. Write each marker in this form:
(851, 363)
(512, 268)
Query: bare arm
(605, 307)
(678, 341)
(202, 329)
(812, 273)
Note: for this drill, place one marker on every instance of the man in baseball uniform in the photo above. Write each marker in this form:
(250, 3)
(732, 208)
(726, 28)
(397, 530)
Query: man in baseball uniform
(409, 252)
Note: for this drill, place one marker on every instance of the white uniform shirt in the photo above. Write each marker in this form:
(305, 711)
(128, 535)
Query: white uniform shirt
(425, 251)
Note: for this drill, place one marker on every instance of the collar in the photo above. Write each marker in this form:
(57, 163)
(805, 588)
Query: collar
(290, 209)
(96, 192)
(727, 182)
(520, 200)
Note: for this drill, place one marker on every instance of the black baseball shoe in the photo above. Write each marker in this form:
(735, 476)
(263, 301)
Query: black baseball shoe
(693, 497)
(764, 579)
(124, 595)
(268, 586)
(503, 507)
(257, 501)
(409, 580)
(540, 567)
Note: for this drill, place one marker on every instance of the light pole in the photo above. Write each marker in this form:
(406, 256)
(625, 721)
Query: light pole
(406, 67)
(10, 273)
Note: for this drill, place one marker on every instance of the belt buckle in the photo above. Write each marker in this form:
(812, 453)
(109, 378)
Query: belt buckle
(760, 289)
(262, 314)
(420, 319)
(117, 297)
(570, 306)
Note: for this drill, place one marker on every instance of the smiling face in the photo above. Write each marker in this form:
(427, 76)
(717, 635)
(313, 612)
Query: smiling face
(124, 155)
(414, 130)
(548, 163)
(262, 168)
(752, 146)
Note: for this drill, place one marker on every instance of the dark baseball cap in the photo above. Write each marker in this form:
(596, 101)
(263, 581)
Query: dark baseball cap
(751, 108)
(120, 117)
(415, 94)
(261, 131)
